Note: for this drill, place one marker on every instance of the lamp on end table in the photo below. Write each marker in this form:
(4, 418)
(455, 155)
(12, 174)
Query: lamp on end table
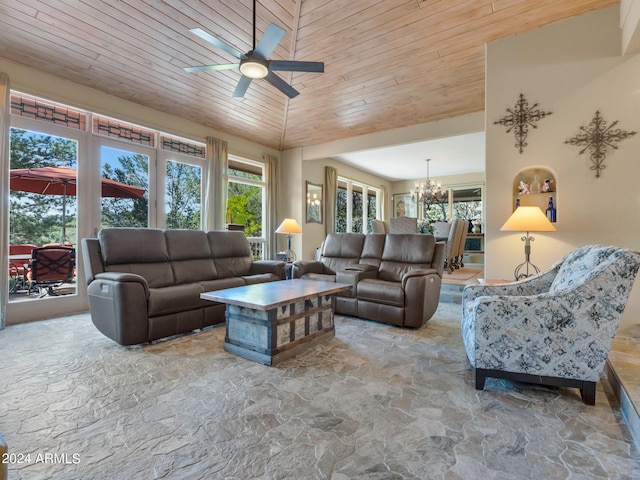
(527, 219)
(290, 227)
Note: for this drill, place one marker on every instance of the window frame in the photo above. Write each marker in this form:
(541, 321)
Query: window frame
(366, 190)
(262, 184)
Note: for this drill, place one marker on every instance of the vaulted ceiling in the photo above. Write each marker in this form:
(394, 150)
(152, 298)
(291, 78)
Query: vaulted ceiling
(388, 63)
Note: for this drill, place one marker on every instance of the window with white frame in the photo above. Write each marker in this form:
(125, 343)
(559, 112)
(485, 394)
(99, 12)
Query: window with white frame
(358, 204)
(246, 201)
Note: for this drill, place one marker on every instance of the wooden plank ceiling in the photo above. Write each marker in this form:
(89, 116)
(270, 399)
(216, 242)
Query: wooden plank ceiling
(388, 63)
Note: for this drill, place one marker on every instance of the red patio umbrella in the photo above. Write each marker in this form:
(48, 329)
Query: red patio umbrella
(62, 181)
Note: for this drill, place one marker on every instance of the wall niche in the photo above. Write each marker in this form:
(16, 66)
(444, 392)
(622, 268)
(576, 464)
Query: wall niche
(533, 186)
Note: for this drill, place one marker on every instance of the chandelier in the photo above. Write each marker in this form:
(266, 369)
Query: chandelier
(429, 191)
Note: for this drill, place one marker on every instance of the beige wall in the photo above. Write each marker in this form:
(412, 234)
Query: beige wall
(314, 171)
(572, 69)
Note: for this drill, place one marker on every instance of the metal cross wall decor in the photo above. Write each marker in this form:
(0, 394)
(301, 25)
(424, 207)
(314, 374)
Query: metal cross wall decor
(597, 137)
(520, 119)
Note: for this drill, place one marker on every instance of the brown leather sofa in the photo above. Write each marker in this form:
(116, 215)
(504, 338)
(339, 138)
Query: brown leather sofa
(395, 278)
(145, 284)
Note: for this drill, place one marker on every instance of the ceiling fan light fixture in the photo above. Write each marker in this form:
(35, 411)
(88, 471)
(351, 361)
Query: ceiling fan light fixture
(254, 67)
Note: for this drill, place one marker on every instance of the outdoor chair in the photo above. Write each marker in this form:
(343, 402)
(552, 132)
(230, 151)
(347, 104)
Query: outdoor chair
(19, 260)
(554, 328)
(51, 267)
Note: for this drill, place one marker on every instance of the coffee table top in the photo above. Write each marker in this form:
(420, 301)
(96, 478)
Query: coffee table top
(269, 295)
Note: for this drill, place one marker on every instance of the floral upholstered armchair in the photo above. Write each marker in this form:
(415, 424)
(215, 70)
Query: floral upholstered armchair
(554, 328)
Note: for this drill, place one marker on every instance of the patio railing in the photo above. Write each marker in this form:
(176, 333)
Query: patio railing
(257, 248)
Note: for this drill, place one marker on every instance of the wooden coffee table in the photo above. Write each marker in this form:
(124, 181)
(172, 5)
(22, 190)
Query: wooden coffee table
(271, 322)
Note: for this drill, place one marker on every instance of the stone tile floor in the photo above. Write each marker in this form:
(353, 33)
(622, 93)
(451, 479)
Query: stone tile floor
(375, 402)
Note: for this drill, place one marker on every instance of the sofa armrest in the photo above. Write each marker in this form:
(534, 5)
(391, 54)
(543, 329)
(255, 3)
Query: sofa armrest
(119, 306)
(418, 272)
(533, 285)
(267, 266)
(361, 267)
(121, 277)
(302, 267)
(353, 277)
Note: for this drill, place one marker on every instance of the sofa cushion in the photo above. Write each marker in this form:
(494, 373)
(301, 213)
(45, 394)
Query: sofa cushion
(190, 256)
(174, 298)
(133, 245)
(231, 253)
(405, 252)
(340, 250)
(381, 291)
(372, 249)
(222, 283)
(142, 251)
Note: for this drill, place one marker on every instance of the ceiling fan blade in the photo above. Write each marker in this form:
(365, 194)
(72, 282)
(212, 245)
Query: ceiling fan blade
(208, 68)
(281, 85)
(243, 85)
(218, 43)
(269, 40)
(296, 66)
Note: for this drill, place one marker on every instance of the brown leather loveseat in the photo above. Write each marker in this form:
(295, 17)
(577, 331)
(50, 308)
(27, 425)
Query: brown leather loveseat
(145, 283)
(395, 278)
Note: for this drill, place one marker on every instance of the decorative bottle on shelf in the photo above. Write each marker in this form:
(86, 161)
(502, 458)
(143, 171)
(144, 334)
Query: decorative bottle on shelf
(551, 211)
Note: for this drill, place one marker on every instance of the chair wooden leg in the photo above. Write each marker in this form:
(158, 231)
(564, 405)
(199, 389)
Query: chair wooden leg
(479, 378)
(588, 393)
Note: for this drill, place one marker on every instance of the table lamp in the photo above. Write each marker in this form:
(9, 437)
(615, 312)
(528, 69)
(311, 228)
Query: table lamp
(289, 226)
(527, 219)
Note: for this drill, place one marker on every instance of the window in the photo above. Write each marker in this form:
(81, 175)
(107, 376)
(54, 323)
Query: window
(183, 195)
(463, 202)
(42, 218)
(162, 177)
(246, 201)
(131, 168)
(467, 203)
(353, 213)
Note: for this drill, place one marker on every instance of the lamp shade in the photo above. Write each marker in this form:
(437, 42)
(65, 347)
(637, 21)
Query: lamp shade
(289, 225)
(528, 219)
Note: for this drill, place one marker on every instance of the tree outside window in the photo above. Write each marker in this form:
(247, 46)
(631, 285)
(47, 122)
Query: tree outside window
(246, 190)
(351, 213)
(35, 218)
(184, 193)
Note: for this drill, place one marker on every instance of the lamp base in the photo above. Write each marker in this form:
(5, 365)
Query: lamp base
(518, 272)
(291, 256)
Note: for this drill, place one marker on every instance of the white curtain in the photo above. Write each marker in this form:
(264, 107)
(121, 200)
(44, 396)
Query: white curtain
(5, 163)
(270, 223)
(330, 199)
(215, 199)
(384, 197)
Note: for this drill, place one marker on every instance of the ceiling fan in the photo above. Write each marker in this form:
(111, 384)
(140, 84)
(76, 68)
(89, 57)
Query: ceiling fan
(255, 64)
